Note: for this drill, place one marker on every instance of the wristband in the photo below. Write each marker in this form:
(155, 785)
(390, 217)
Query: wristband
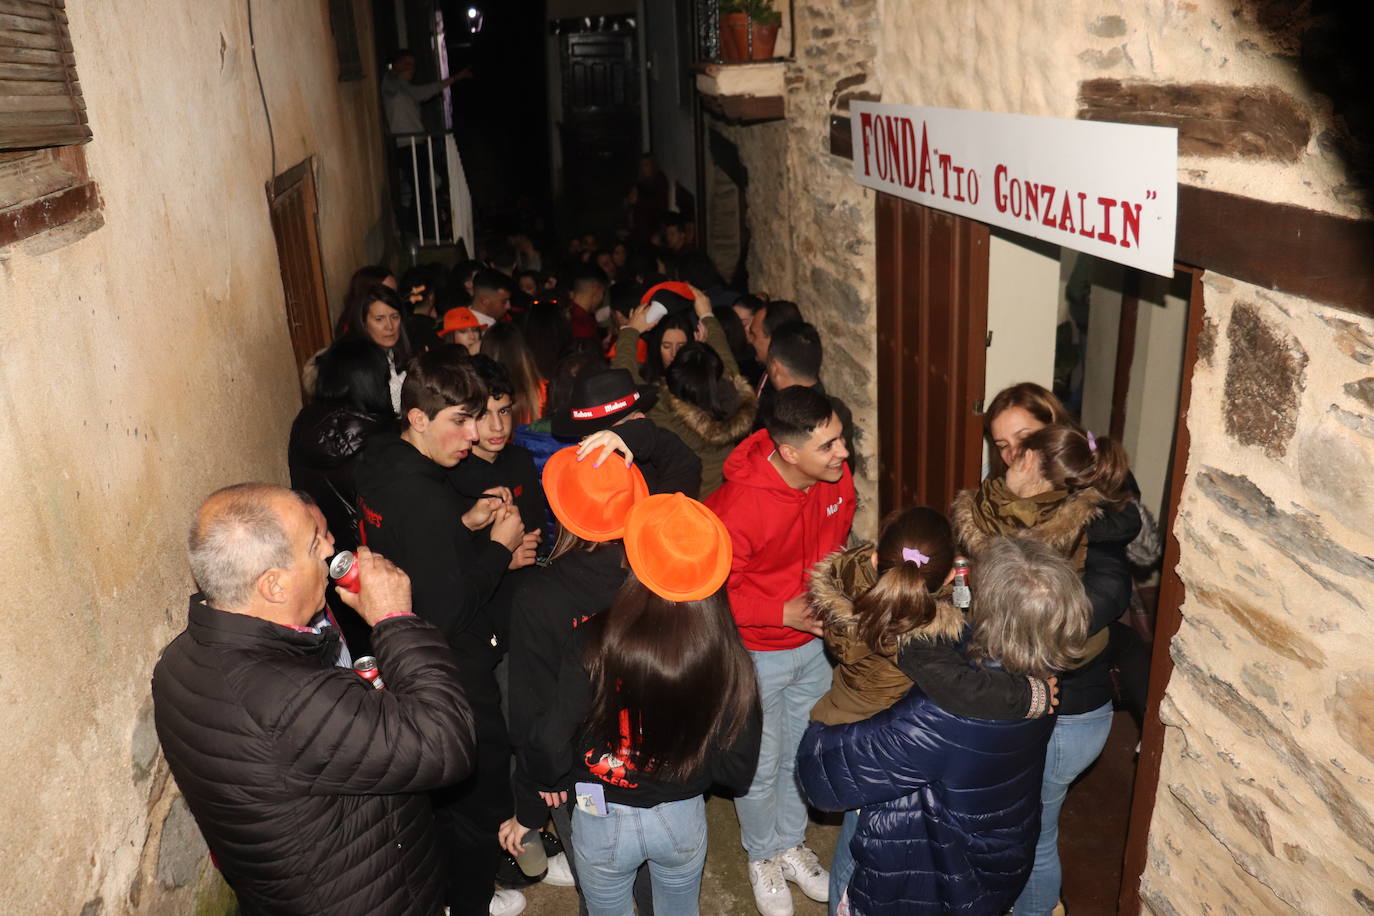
(1040, 695)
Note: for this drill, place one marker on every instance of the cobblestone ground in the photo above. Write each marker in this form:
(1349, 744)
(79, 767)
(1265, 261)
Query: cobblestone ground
(725, 885)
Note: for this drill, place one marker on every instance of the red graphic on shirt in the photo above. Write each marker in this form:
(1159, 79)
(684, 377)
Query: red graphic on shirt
(519, 491)
(370, 516)
(616, 768)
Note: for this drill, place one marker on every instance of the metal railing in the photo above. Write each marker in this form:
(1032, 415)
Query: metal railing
(433, 184)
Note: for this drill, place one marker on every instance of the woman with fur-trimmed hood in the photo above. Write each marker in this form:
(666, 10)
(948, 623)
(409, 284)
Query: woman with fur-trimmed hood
(874, 601)
(703, 398)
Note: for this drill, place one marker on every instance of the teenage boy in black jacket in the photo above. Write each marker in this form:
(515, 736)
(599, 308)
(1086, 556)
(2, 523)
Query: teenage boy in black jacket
(413, 514)
(495, 461)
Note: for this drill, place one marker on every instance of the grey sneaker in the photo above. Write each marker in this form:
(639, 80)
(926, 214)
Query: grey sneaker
(800, 866)
(771, 895)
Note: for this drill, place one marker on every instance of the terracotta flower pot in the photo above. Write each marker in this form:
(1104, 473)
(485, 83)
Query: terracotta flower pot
(765, 40)
(734, 37)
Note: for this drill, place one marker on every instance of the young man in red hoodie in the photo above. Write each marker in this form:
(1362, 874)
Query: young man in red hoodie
(788, 501)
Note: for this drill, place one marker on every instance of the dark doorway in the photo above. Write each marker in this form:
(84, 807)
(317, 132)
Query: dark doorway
(599, 127)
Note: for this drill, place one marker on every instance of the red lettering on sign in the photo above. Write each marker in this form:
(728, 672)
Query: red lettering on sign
(866, 132)
(1130, 224)
(925, 161)
(1105, 234)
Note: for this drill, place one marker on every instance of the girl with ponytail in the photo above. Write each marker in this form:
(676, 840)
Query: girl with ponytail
(1058, 481)
(875, 599)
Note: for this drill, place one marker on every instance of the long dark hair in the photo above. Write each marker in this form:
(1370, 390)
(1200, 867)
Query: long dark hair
(548, 335)
(680, 670)
(504, 343)
(353, 374)
(1034, 399)
(902, 599)
(357, 311)
(684, 321)
(697, 376)
(1074, 460)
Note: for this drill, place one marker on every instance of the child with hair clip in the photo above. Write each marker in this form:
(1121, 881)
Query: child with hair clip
(879, 601)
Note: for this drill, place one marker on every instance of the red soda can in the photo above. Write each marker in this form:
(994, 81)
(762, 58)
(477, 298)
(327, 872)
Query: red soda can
(343, 569)
(962, 597)
(368, 671)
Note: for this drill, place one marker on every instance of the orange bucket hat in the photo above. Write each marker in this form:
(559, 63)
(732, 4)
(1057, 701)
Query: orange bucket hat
(592, 502)
(677, 547)
(457, 319)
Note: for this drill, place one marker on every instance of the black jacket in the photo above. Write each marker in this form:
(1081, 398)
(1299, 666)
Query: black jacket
(547, 606)
(514, 468)
(412, 515)
(303, 778)
(667, 464)
(324, 441)
(560, 754)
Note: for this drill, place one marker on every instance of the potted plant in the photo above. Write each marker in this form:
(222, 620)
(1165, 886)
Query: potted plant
(765, 21)
(734, 31)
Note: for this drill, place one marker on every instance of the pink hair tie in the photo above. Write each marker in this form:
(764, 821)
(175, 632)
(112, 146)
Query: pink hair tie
(912, 555)
(1092, 442)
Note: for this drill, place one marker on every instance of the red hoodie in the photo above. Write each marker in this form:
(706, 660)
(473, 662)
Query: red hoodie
(778, 534)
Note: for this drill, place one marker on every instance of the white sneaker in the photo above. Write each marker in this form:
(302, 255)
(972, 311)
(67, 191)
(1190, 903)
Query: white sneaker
(800, 866)
(507, 903)
(771, 894)
(559, 874)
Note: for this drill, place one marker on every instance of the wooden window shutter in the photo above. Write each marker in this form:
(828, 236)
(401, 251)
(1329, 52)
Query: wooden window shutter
(40, 98)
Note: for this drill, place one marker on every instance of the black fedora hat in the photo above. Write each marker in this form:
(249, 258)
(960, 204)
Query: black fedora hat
(600, 400)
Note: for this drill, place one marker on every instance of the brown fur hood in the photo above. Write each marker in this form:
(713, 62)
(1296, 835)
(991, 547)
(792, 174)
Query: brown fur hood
(1062, 531)
(713, 431)
(841, 578)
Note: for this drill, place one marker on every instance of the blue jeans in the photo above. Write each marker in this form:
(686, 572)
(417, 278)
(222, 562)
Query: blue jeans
(842, 865)
(1074, 745)
(772, 814)
(671, 837)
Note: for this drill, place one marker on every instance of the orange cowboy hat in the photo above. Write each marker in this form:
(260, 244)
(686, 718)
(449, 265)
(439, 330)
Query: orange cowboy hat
(677, 547)
(592, 502)
(457, 319)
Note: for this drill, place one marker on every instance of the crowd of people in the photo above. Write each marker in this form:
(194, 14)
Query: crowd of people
(602, 517)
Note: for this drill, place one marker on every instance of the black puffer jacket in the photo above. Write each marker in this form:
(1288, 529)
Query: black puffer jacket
(304, 779)
(324, 441)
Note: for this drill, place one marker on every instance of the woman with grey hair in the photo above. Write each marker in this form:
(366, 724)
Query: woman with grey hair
(949, 805)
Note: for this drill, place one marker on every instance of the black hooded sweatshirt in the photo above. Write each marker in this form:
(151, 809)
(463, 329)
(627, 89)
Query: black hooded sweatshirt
(412, 515)
(547, 607)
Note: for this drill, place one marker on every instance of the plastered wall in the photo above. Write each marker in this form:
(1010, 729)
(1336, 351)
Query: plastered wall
(141, 367)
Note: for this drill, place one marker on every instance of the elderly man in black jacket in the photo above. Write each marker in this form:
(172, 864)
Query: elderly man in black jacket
(306, 782)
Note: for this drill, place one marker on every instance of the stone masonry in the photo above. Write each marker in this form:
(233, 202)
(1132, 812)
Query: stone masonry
(1264, 802)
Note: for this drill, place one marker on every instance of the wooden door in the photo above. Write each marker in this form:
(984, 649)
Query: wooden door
(291, 197)
(932, 330)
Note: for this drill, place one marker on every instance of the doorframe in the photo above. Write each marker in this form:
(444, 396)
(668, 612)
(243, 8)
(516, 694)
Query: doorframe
(1168, 617)
(901, 386)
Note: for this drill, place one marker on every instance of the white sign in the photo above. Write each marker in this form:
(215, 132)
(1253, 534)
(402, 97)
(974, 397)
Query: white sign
(1109, 190)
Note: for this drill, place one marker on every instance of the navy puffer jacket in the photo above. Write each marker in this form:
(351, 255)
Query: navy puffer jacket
(950, 806)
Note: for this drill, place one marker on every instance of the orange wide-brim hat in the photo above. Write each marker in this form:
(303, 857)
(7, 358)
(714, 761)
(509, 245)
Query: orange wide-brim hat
(677, 547)
(592, 502)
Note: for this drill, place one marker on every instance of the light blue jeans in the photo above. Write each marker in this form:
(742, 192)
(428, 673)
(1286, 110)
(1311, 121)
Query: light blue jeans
(842, 865)
(608, 851)
(1074, 745)
(772, 814)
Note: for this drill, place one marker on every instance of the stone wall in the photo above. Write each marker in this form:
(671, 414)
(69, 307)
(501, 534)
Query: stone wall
(141, 367)
(811, 226)
(1264, 802)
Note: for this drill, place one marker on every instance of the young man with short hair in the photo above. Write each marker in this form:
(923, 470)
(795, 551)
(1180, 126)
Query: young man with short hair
(495, 461)
(491, 292)
(455, 557)
(788, 501)
(586, 293)
(794, 358)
